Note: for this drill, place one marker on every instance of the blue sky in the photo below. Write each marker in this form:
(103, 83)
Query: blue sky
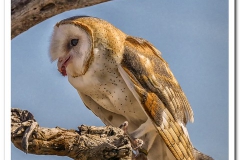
(193, 39)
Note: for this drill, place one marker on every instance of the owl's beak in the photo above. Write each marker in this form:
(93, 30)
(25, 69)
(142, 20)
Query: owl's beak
(62, 64)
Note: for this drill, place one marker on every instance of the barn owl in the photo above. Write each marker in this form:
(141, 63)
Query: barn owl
(124, 78)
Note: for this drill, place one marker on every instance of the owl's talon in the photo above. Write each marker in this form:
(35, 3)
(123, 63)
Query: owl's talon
(139, 152)
(137, 143)
(124, 127)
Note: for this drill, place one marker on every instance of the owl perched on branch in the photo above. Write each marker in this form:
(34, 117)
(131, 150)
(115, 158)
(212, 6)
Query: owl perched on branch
(121, 78)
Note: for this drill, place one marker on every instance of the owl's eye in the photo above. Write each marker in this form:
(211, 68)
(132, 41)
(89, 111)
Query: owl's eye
(74, 42)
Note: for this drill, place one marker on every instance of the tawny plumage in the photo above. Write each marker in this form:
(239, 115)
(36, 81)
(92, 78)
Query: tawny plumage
(124, 78)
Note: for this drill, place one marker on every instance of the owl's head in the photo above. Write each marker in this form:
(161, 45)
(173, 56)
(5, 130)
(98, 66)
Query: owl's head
(74, 40)
(71, 45)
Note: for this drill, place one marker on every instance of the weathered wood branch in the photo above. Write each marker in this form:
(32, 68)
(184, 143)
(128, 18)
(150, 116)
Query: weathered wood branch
(92, 143)
(27, 13)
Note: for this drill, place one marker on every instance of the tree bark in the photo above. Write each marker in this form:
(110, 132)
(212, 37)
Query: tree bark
(27, 13)
(86, 143)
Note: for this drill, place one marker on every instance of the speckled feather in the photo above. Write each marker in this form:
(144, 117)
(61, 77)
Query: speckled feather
(125, 78)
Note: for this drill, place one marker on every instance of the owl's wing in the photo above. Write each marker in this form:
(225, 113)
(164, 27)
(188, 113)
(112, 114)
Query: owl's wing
(152, 83)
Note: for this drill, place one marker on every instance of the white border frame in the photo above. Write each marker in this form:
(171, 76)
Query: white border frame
(231, 94)
(6, 81)
(6, 7)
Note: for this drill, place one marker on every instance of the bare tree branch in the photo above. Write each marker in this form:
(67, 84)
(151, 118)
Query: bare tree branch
(90, 143)
(27, 13)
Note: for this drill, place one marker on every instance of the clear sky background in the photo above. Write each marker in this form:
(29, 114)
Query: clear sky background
(193, 39)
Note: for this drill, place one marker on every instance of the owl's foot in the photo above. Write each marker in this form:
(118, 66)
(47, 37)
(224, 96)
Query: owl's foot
(135, 142)
(124, 127)
(140, 153)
